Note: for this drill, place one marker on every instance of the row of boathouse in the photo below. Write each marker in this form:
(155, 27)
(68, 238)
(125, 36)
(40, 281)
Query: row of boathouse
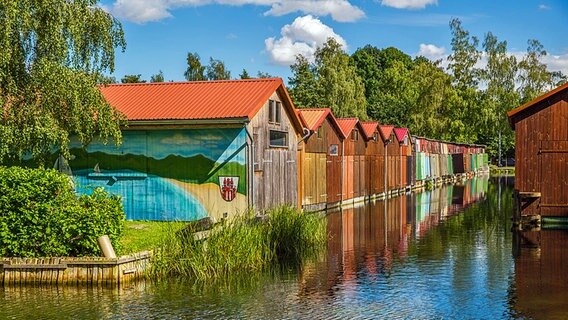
(217, 148)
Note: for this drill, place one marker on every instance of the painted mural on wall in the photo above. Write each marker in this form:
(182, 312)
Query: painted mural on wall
(169, 174)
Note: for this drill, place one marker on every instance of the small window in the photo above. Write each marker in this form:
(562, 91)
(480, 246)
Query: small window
(271, 104)
(405, 140)
(320, 133)
(278, 138)
(274, 111)
(354, 135)
(333, 149)
(376, 137)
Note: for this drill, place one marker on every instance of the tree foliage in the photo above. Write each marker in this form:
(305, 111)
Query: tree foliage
(132, 78)
(465, 102)
(158, 77)
(244, 75)
(195, 71)
(216, 70)
(52, 55)
(331, 81)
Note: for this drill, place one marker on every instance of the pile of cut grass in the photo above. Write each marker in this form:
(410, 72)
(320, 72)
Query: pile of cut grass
(243, 244)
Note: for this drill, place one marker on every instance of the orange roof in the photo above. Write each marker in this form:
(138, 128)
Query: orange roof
(369, 127)
(314, 117)
(514, 114)
(386, 131)
(400, 133)
(197, 100)
(347, 125)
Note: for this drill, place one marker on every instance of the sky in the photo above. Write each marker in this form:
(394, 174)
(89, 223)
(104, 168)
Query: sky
(266, 35)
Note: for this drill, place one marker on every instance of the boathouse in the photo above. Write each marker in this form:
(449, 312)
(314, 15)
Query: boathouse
(541, 153)
(322, 158)
(406, 160)
(354, 164)
(392, 157)
(375, 155)
(197, 149)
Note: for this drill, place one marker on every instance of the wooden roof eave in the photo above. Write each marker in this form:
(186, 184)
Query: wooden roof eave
(514, 114)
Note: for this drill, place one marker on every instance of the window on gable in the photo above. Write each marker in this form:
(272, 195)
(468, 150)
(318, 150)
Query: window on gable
(274, 111)
(278, 138)
(376, 137)
(320, 133)
(354, 135)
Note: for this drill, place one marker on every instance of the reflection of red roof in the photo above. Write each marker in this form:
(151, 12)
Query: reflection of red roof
(347, 125)
(313, 119)
(369, 128)
(400, 133)
(197, 100)
(386, 131)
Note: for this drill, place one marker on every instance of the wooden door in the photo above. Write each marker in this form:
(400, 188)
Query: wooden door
(553, 171)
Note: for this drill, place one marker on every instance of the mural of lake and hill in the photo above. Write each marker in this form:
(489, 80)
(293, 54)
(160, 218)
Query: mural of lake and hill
(168, 174)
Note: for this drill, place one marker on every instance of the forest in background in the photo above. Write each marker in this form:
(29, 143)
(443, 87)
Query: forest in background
(462, 99)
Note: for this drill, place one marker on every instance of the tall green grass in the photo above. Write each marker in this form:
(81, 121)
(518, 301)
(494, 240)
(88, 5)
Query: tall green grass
(241, 245)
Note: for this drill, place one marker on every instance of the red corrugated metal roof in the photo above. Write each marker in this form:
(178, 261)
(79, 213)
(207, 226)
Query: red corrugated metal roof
(314, 117)
(197, 100)
(386, 131)
(369, 127)
(347, 125)
(400, 133)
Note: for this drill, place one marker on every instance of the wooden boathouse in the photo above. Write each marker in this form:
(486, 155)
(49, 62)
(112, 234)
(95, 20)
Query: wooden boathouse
(197, 149)
(322, 159)
(375, 155)
(541, 154)
(354, 164)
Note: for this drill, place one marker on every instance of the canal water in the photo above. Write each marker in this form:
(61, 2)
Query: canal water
(446, 253)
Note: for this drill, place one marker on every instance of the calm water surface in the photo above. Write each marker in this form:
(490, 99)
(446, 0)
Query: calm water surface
(446, 253)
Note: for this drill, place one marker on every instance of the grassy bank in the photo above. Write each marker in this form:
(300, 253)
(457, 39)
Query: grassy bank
(243, 244)
(145, 235)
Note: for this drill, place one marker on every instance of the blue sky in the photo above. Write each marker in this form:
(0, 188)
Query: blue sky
(265, 35)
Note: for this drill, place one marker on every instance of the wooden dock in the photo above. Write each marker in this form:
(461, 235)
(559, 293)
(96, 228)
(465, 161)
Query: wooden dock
(91, 271)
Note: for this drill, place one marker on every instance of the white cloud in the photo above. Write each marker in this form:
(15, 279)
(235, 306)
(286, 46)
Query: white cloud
(432, 52)
(408, 4)
(303, 37)
(141, 11)
(544, 7)
(339, 10)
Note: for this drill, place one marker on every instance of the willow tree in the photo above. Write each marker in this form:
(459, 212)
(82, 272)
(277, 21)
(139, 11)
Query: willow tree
(52, 54)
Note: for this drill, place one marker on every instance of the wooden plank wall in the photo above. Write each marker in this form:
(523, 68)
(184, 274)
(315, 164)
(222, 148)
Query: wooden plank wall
(315, 172)
(278, 166)
(333, 169)
(544, 129)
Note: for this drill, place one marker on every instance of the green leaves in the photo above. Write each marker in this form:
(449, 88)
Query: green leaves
(51, 55)
(332, 82)
(40, 215)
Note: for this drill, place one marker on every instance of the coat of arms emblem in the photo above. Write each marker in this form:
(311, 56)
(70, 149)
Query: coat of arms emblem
(228, 187)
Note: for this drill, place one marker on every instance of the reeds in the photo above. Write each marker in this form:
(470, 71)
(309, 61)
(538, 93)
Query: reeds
(241, 245)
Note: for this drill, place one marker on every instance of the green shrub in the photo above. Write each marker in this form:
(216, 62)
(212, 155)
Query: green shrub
(41, 216)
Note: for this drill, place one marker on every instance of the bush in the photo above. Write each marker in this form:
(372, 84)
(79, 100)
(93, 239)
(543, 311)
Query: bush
(40, 215)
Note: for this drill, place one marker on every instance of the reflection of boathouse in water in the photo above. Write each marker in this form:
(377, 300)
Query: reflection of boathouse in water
(197, 149)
